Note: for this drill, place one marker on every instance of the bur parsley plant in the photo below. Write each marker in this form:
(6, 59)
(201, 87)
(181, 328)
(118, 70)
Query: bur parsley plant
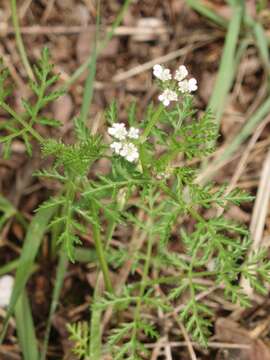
(150, 174)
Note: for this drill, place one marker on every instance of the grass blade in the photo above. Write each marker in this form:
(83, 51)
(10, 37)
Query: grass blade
(227, 66)
(25, 328)
(19, 40)
(102, 46)
(247, 130)
(89, 82)
(31, 245)
(95, 328)
(60, 275)
(10, 266)
(207, 12)
(262, 44)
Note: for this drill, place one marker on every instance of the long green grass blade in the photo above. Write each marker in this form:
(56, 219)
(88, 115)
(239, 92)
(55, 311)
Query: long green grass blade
(60, 275)
(10, 266)
(102, 46)
(95, 328)
(207, 12)
(258, 32)
(247, 130)
(31, 245)
(25, 328)
(19, 40)
(89, 83)
(262, 43)
(227, 66)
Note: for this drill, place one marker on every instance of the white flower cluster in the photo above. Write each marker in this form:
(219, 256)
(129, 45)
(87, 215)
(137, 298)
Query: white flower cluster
(167, 96)
(184, 85)
(124, 147)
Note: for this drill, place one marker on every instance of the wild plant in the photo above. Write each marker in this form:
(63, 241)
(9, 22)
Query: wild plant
(152, 172)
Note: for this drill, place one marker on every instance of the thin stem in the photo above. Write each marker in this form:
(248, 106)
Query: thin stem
(172, 279)
(89, 83)
(95, 340)
(102, 46)
(113, 186)
(100, 251)
(38, 104)
(120, 204)
(19, 40)
(33, 132)
(60, 275)
(196, 215)
(143, 283)
(151, 123)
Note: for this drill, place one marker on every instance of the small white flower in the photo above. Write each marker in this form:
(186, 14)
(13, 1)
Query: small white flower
(6, 286)
(183, 86)
(129, 152)
(192, 85)
(167, 96)
(116, 146)
(181, 73)
(161, 73)
(118, 130)
(188, 85)
(133, 133)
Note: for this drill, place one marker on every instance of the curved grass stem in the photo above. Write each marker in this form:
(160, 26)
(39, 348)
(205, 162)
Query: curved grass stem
(19, 40)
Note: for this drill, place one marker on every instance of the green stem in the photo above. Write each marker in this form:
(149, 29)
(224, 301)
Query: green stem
(89, 83)
(172, 279)
(102, 46)
(38, 104)
(151, 123)
(196, 215)
(143, 283)
(100, 251)
(19, 39)
(112, 186)
(60, 275)
(153, 120)
(32, 131)
(120, 204)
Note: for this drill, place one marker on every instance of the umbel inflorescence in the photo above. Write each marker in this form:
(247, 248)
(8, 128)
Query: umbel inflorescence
(173, 86)
(124, 145)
